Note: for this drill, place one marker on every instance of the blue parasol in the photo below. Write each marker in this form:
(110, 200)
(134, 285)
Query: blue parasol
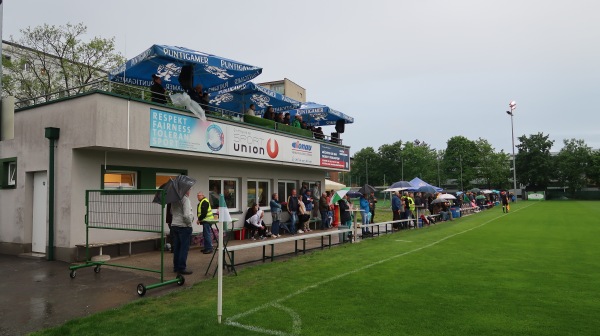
(213, 72)
(320, 115)
(239, 98)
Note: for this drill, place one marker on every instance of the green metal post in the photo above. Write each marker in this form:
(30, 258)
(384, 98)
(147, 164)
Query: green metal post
(52, 134)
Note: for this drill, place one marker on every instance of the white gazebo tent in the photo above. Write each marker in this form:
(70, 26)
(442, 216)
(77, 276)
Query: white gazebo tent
(330, 185)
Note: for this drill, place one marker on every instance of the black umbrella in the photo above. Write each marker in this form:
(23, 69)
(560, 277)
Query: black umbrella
(402, 184)
(427, 189)
(439, 200)
(175, 189)
(366, 189)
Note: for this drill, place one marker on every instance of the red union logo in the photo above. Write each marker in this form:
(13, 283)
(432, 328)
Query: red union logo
(272, 148)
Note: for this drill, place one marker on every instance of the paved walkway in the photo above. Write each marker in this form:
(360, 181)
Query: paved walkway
(37, 294)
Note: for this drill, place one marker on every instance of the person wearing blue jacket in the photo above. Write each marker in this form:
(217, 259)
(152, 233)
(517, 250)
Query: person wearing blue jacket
(396, 209)
(364, 213)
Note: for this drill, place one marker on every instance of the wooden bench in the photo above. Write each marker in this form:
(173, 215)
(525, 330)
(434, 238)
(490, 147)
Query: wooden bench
(117, 243)
(272, 242)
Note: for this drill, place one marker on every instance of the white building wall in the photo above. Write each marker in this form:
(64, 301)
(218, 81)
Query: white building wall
(97, 130)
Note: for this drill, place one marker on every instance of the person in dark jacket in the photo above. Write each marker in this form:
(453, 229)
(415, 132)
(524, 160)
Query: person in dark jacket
(396, 209)
(324, 210)
(345, 215)
(157, 90)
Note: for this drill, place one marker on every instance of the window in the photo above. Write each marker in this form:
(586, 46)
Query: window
(258, 192)
(284, 189)
(279, 88)
(8, 170)
(162, 178)
(227, 187)
(120, 180)
(12, 174)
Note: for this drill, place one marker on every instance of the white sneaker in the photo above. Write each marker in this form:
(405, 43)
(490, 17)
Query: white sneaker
(274, 236)
(253, 238)
(300, 231)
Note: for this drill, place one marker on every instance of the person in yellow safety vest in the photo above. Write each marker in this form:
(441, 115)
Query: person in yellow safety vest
(411, 206)
(204, 214)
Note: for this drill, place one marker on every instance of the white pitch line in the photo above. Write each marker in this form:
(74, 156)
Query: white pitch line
(296, 320)
(406, 241)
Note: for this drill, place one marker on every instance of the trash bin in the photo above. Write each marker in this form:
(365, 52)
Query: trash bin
(455, 212)
(336, 215)
(240, 234)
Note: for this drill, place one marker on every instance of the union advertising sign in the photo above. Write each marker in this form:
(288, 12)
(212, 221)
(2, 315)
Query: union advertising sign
(175, 131)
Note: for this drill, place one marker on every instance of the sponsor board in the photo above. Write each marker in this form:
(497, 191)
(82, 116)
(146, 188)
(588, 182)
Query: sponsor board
(175, 131)
(536, 195)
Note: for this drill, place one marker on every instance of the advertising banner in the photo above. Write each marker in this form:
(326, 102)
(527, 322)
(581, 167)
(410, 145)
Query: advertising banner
(335, 157)
(175, 131)
(536, 195)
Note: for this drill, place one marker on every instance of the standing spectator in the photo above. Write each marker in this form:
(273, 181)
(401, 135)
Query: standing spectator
(316, 193)
(303, 189)
(307, 200)
(286, 119)
(157, 91)
(504, 198)
(275, 214)
(292, 206)
(372, 201)
(345, 215)
(396, 208)
(303, 217)
(205, 214)
(181, 230)
(364, 213)
(324, 210)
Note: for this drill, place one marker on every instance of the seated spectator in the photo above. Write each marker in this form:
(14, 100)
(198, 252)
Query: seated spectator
(158, 93)
(269, 113)
(286, 119)
(279, 118)
(254, 222)
(318, 133)
(305, 126)
(251, 110)
(199, 97)
(297, 121)
(445, 212)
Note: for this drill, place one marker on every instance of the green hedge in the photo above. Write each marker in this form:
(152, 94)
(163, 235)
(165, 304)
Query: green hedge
(294, 130)
(258, 121)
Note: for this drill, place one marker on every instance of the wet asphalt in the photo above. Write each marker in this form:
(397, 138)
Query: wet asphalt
(38, 294)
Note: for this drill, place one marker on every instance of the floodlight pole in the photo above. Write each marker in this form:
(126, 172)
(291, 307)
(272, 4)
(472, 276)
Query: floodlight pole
(513, 106)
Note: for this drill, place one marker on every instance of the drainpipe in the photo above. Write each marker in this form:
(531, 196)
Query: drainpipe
(52, 134)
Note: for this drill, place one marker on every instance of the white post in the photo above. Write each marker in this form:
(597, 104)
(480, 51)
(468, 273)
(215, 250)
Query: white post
(220, 274)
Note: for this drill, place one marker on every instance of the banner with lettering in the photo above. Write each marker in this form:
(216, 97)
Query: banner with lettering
(175, 131)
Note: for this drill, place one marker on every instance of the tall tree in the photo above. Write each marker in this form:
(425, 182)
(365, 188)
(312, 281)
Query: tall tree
(593, 172)
(391, 161)
(534, 162)
(460, 162)
(419, 161)
(494, 168)
(56, 58)
(572, 162)
(362, 165)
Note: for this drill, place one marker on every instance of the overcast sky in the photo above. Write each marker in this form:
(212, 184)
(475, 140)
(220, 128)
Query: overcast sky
(405, 70)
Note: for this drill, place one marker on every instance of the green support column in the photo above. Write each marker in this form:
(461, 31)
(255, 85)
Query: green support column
(51, 134)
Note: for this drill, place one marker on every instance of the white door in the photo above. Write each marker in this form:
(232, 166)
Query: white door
(40, 207)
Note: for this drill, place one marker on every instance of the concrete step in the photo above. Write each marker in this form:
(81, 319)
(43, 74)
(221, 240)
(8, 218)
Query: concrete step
(33, 255)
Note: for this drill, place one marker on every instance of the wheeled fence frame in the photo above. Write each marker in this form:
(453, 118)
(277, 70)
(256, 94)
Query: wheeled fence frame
(126, 210)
